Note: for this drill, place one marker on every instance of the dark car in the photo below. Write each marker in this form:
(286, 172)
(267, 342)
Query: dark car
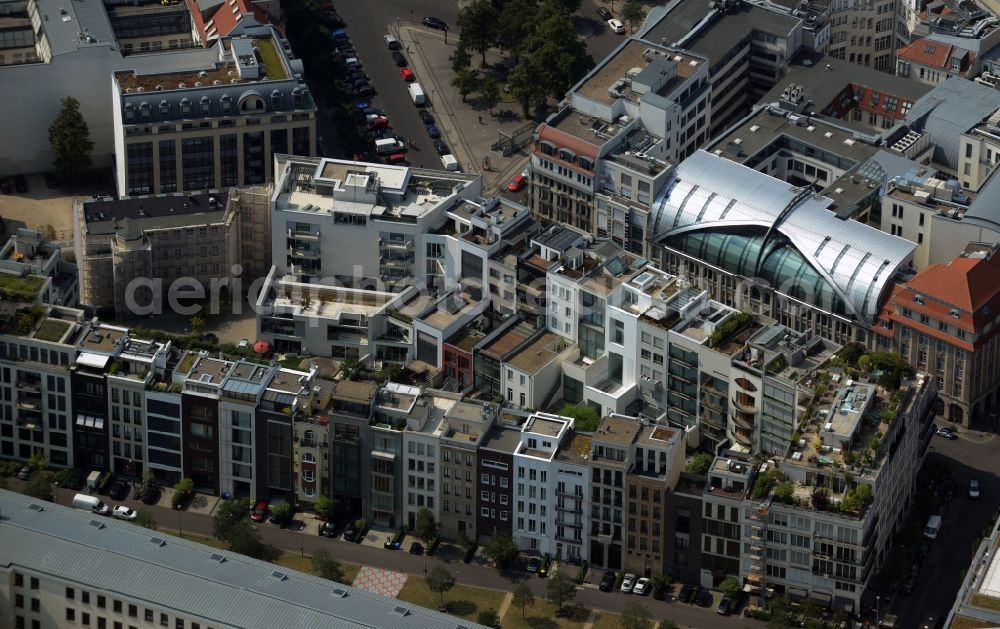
(725, 606)
(399, 59)
(703, 598)
(441, 147)
(533, 564)
(120, 490)
(5, 185)
(607, 581)
(368, 111)
(51, 181)
(604, 13)
(356, 73)
(425, 116)
(329, 529)
(432, 131)
(151, 496)
(344, 47)
(363, 105)
(259, 512)
(433, 22)
(20, 184)
(24, 473)
(332, 19)
(687, 593)
(350, 532)
(359, 82)
(416, 548)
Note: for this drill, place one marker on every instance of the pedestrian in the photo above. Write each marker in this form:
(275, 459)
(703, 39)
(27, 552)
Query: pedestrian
(480, 120)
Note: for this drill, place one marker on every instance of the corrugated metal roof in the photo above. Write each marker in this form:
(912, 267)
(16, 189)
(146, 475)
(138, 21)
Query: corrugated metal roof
(985, 210)
(711, 192)
(120, 558)
(949, 110)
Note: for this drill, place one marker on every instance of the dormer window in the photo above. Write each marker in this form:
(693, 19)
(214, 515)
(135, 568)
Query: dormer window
(227, 103)
(567, 155)
(129, 111)
(185, 107)
(164, 109)
(276, 100)
(953, 312)
(297, 98)
(144, 110)
(919, 299)
(206, 105)
(547, 148)
(586, 163)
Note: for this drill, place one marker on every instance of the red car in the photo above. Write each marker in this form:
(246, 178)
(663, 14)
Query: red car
(259, 512)
(517, 183)
(407, 75)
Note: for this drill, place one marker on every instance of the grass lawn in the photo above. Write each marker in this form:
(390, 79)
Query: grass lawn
(19, 288)
(542, 615)
(963, 622)
(461, 600)
(292, 362)
(986, 602)
(607, 620)
(52, 330)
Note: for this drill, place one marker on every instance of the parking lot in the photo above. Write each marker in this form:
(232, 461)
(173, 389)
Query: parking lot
(42, 207)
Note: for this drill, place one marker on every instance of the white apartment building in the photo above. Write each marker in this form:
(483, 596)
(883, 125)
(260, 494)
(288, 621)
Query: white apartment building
(421, 451)
(531, 375)
(535, 481)
(133, 369)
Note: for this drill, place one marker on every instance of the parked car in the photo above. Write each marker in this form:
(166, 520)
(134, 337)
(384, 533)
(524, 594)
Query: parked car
(151, 496)
(392, 43)
(344, 47)
(24, 473)
(360, 81)
(364, 90)
(607, 581)
(616, 26)
(441, 147)
(725, 606)
(628, 583)
(407, 75)
(368, 111)
(416, 548)
(20, 184)
(947, 432)
(5, 185)
(432, 131)
(425, 116)
(435, 23)
(642, 587)
(911, 582)
(973, 488)
(604, 14)
(329, 529)
(517, 183)
(51, 181)
(533, 564)
(687, 593)
(350, 532)
(703, 598)
(259, 512)
(399, 58)
(120, 490)
(123, 513)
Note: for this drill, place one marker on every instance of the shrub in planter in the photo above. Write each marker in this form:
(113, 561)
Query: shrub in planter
(182, 491)
(581, 574)
(360, 528)
(433, 546)
(470, 551)
(757, 613)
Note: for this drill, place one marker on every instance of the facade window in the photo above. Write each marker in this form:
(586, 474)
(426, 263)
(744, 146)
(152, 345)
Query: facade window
(198, 159)
(140, 168)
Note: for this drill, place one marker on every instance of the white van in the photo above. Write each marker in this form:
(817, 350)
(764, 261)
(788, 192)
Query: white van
(388, 145)
(450, 163)
(417, 93)
(90, 503)
(933, 526)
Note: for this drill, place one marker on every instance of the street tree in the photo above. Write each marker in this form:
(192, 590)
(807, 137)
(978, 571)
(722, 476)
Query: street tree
(460, 59)
(426, 527)
(517, 24)
(69, 137)
(440, 581)
(478, 22)
(38, 462)
(145, 519)
(327, 567)
(489, 95)
(523, 597)
(465, 82)
(244, 538)
(525, 86)
(489, 618)
(565, 7)
(501, 549)
(634, 616)
(197, 323)
(729, 587)
(39, 486)
(228, 515)
(282, 514)
(325, 508)
(561, 590)
(633, 14)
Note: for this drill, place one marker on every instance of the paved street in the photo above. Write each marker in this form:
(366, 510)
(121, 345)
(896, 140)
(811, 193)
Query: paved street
(972, 456)
(468, 574)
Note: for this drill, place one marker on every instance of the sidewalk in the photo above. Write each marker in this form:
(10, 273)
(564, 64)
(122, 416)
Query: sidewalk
(458, 121)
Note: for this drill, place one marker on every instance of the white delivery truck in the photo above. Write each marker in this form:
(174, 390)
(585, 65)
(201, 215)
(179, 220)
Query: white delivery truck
(389, 145)
(450, 163)
(92, 480)
(90, 503)
(417, 94)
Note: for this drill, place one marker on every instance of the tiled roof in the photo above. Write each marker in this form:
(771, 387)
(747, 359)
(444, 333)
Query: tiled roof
(219, 19)
(933, 54)
(967, 283)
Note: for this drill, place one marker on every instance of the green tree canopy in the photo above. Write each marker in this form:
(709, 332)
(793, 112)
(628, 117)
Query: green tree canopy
(465, 82)
(145, 519)
(633, 14)
(227, 516)
(517, 22)
(479, 23)
(69, 137)
(585, 417)
(489, 618)
(700, 463)
(426, 527)
(523, 597)
(561, 590)
(501, 549)
(325, 508)
(327, 567)
(634, 616)
(440, 581)
(730, 587)
(489, 95)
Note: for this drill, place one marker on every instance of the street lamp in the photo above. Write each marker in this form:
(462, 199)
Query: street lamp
(878, 600)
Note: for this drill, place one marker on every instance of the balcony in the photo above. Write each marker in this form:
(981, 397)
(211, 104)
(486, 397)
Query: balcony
(303, 235)
(32, 386)
(575, 525)
(570, 540)
(746, 408)
(569, 509)
(29, 403)
(303, 253)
